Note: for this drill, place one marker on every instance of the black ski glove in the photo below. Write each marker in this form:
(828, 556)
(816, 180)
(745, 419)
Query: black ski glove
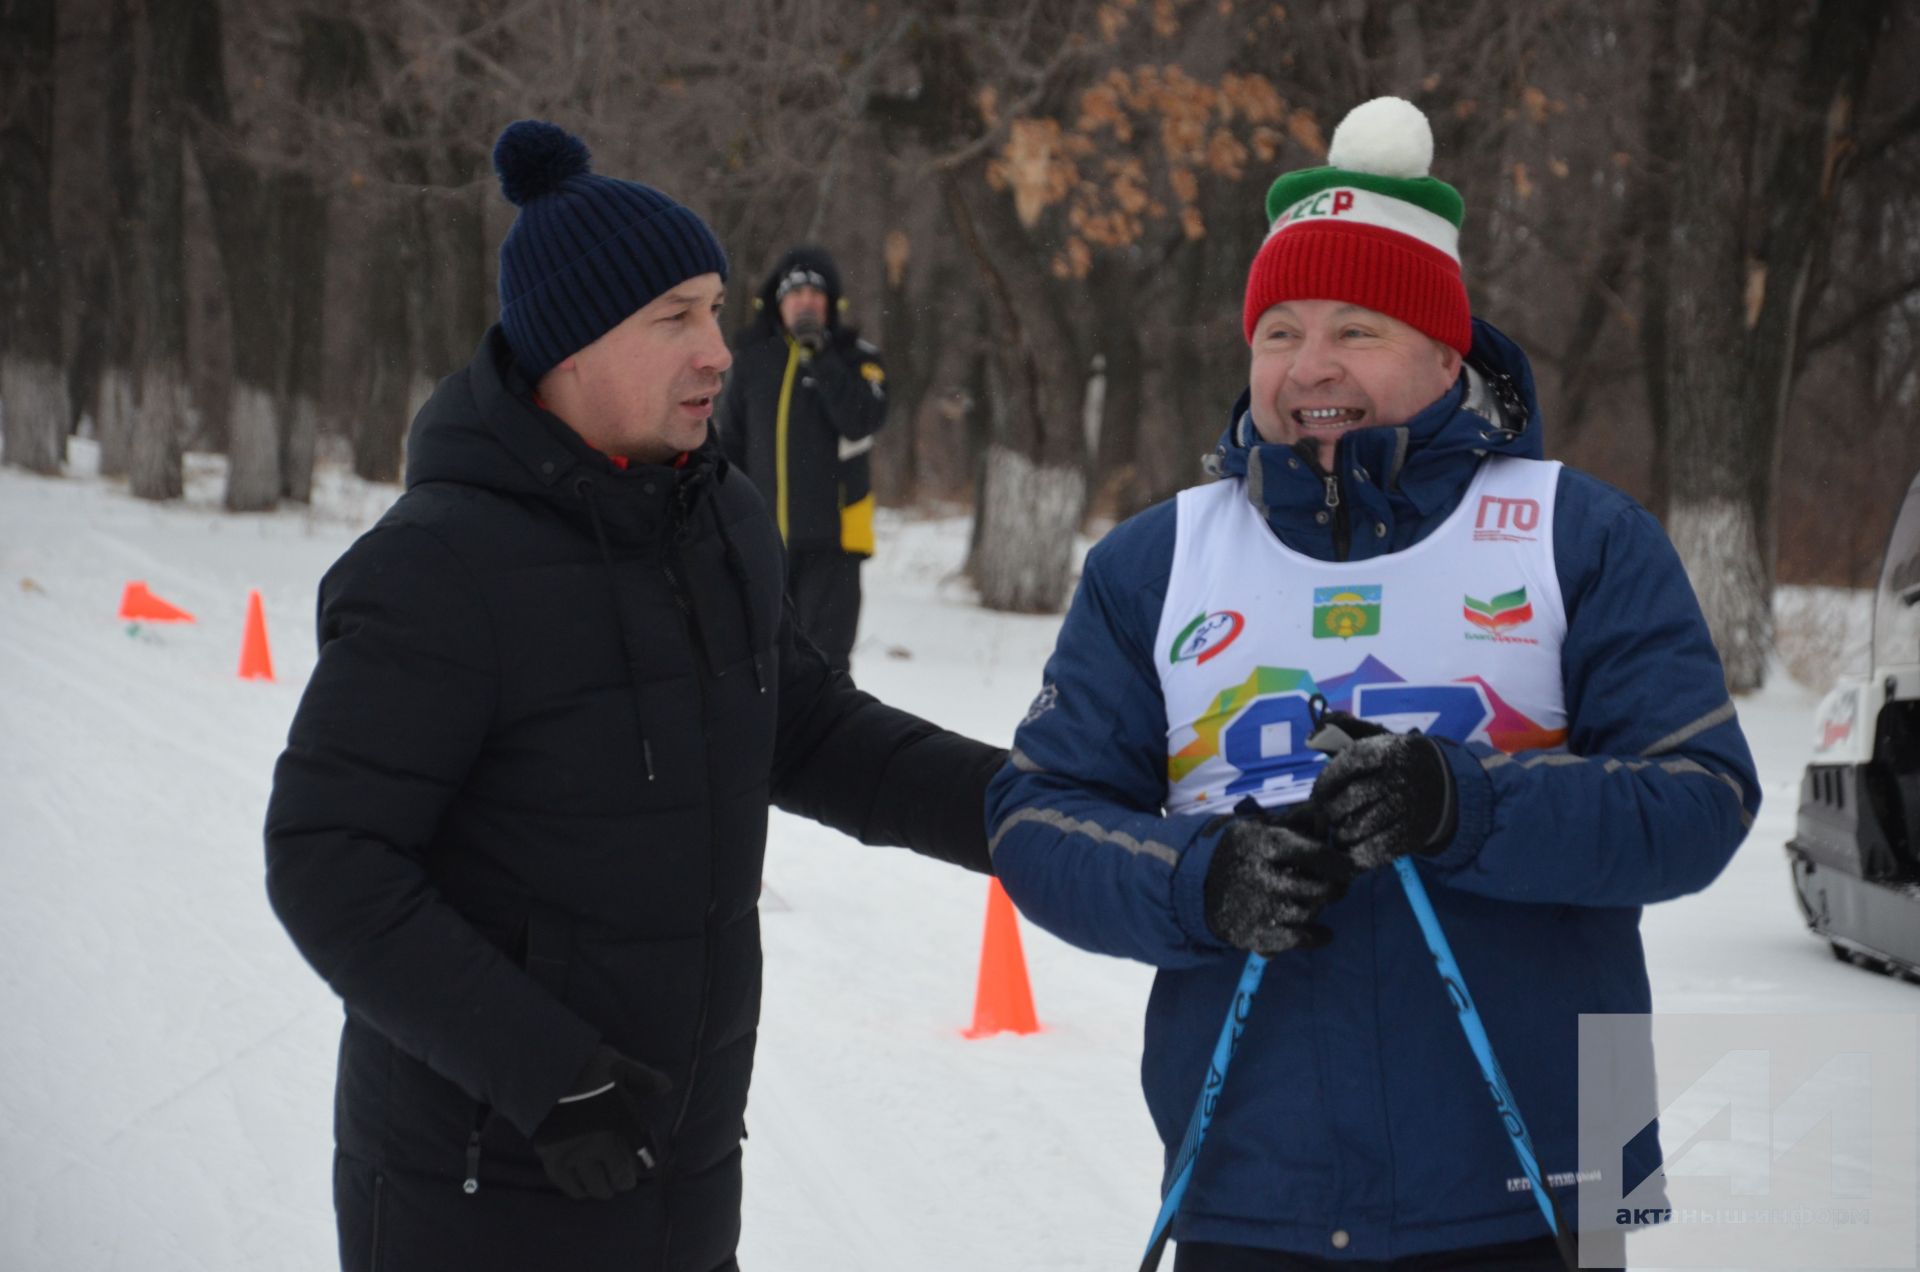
(1271, 875)
(1385, 794)
(595, 1142)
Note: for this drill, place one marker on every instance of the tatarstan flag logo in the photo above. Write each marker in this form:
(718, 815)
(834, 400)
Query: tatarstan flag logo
(1346, 611)
(1501, 614)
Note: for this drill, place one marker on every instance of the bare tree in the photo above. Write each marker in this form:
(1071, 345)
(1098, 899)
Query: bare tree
(163, 30)
(1071, 171)
(239, 192)
(86, 222)
(1032, 203)
(32, 389)
(1766, 121)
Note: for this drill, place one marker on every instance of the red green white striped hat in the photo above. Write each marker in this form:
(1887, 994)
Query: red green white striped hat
(1371, 228)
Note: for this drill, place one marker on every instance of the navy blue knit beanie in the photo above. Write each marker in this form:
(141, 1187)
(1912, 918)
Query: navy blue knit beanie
(586, 250)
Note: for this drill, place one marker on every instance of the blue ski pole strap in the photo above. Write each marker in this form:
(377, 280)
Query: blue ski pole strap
(1181, 1171)
(1482, 1046)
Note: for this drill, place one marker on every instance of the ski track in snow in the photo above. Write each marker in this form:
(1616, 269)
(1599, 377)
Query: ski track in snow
(166, 1065)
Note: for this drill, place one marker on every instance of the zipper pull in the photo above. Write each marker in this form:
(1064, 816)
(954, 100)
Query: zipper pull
(472, 1183)
(1333, 491)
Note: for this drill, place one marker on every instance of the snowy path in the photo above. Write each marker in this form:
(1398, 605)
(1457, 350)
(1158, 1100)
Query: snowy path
(166, 1061)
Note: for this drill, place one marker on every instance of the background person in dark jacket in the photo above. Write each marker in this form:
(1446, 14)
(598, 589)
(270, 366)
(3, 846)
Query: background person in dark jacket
(520, 819)
(1385, 534)
(806, 396)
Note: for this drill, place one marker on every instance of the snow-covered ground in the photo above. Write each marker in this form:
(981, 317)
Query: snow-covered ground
(166, 1059)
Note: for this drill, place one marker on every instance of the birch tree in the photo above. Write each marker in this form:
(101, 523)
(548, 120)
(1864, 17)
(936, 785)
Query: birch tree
(1762, 126)
(32, 388)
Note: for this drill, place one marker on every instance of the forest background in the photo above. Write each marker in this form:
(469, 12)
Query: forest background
(266, 228)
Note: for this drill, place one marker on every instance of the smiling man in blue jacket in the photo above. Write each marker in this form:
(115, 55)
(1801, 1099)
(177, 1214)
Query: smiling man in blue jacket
(1557, 749)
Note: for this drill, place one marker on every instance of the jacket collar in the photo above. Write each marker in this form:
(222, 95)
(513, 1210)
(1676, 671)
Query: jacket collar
(482, 428)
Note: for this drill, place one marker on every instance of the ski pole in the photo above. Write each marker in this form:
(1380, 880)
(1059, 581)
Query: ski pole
(1223, 1049)
(1482, 1046)
(1331, 740)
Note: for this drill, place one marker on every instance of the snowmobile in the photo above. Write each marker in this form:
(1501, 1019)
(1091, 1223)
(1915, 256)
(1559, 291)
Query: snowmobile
(1855, 850)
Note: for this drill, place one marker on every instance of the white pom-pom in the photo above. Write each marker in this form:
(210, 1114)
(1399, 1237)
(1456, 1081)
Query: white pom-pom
(1387, 137)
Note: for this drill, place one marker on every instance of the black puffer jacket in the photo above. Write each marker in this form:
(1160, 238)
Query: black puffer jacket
(523, 809)
(807, 419)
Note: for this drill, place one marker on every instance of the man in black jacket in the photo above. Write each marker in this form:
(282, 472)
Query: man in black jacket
(806, 397)
(520, 820)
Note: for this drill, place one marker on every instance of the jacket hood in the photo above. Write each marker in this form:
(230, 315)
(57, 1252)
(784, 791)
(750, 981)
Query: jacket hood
(807, 257)
(481, 428)
(1412, 470)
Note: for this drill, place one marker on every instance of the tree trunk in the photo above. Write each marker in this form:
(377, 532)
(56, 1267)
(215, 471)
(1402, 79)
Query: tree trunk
(258, 296)
(118, 408)
(159, 422)
(33, 414)
(253, 450)
(300, 211)
(459, 303)
(910, 363)
(1035, 475)
(246, 231)
(1033, 483)
(82, 198)
(334, 65)
(33, 409)
(1116, 319)
(299, 418)
(1711, 519)
(159, 291)
(445, 256)
(1179, 420)
(1797, 191)
(1028, 517)
(1657, 215)
(118, 405)
(87, 364)
(382, 427)
(427, 304)
(1738, 298)
(1719, 543)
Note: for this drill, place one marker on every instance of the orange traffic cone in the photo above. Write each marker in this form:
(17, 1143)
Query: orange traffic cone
(1004, 1000)
(256, 663)
(138, 605)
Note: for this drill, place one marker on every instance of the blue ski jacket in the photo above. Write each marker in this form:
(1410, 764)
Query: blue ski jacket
(1354, 1123)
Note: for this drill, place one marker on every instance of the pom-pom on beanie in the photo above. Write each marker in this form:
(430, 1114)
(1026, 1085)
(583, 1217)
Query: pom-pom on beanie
(1371, 228)
(586, 250)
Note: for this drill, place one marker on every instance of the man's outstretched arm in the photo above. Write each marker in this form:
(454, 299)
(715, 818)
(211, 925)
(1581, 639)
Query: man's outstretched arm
(882, 775)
